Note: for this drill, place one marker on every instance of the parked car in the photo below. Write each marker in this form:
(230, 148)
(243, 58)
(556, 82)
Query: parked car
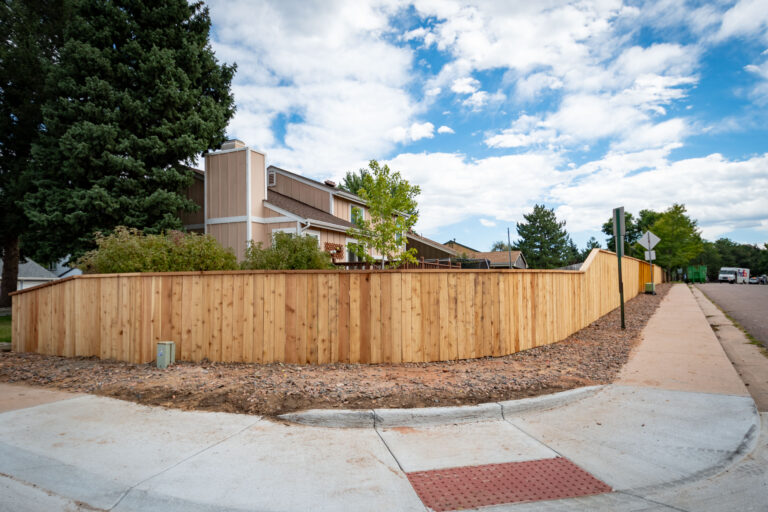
(763, 279)
(753, 280)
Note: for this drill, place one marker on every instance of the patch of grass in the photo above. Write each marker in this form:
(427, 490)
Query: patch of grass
(5, 329)
(752, 339)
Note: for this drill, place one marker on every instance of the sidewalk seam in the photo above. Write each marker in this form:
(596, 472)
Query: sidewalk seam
(185, 459)
(538, 440)
(678, 509)
(375, 429)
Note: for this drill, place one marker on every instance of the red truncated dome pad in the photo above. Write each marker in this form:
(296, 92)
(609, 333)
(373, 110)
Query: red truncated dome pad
(494, 484)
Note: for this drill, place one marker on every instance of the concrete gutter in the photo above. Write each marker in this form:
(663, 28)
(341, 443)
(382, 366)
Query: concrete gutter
(433, 416)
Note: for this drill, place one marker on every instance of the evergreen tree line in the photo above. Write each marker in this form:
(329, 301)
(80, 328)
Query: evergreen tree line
(546, 244)
(103, 106)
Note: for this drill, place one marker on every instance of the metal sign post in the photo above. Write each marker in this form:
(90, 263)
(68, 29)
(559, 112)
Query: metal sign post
(618, 239)
(649, 241)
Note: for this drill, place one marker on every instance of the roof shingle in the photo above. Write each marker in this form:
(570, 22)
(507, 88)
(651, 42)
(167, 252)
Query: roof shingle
(304, 210)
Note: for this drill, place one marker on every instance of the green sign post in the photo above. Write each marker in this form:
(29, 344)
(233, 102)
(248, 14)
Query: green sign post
(618, 238)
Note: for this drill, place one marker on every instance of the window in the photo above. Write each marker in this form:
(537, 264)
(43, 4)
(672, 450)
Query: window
(283, 230)
(272, 179)
(351, 254)
(355, 213)
(314, 234)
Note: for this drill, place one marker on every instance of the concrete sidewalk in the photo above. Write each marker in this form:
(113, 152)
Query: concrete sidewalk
(677, 432)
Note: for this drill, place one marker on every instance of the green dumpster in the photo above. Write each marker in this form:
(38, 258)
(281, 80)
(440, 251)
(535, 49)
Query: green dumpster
(697, 273)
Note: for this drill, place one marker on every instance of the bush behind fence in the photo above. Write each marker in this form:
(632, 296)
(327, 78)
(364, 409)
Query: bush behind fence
(320, 316)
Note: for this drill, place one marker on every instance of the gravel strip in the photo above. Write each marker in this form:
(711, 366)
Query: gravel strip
(593, 355)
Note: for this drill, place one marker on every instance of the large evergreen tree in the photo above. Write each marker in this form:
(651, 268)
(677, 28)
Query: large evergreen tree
(543, 240)
(31, 31)
(137, 93)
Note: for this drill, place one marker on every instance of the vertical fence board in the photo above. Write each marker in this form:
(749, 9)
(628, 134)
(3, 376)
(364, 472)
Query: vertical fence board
(323, 319)
(344, 317)
(320, 317)
(312, 306)
(377, 351)
(333, 318)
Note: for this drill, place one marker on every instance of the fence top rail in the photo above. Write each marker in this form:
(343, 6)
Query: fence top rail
(583, 270)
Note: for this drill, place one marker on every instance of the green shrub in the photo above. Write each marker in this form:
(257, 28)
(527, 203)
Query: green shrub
(288, 252)
(129, 250)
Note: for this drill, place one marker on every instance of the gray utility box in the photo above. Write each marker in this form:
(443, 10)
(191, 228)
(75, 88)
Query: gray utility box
(166, 354)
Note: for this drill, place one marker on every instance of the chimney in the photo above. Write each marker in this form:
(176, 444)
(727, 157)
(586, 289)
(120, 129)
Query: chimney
(232, 144)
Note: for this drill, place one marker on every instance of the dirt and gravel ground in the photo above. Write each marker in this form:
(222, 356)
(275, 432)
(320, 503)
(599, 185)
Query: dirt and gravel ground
(594, 355)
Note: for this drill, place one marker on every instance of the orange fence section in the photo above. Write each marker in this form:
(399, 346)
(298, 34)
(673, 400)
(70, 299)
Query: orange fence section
(320, 316)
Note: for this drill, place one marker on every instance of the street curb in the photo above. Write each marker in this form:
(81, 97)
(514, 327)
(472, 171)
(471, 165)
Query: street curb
(432, 416)
(542, 403)
(388, 418)
(334, 418)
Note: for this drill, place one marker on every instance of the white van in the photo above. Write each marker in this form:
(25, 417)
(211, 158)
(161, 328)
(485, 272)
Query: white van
(733, 275)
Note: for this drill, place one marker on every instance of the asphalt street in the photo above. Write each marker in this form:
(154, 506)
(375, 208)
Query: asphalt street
(746, 303)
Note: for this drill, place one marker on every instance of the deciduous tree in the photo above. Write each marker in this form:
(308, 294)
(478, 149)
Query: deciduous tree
(680, 238)
(389, 197)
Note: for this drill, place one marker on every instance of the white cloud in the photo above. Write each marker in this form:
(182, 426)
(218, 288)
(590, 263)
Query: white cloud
(422, 131)
(487, 223)
(455, 188)
(759, 91)
(343, 82)
(467, 85)
(528, 87)
(326, 71)
(730, 197)
(747, 17)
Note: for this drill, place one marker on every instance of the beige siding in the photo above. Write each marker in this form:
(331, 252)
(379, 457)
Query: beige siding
(196, 193)
(341, 208)
(257, 183)
(226, 184)
(230, 235)
(263, 232)
(313, 196)
(333, 237)
(270, 213)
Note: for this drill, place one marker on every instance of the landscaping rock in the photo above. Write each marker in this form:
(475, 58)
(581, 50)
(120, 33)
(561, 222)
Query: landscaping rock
(591, 356)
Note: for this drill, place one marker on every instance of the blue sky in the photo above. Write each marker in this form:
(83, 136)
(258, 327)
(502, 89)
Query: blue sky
(493, 107)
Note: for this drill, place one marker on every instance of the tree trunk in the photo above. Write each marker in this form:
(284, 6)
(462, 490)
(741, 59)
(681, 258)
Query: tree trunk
(10, 270)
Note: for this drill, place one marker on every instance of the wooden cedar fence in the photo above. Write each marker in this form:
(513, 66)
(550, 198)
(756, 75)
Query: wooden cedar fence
(319, 316)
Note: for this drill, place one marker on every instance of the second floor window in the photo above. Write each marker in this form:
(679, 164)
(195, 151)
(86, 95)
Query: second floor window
(356, 214)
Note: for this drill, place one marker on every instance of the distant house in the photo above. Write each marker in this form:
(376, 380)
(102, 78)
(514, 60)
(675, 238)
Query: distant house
(429, 249)
(495, 259)
(62, 269)
(31, 274)
(460, 248)
(243, 201)
(500, 259)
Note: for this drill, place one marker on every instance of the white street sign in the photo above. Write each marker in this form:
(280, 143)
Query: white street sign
(650, 255)
(649, 240)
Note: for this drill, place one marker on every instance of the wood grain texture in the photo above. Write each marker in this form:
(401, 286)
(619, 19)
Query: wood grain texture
(320, 317)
